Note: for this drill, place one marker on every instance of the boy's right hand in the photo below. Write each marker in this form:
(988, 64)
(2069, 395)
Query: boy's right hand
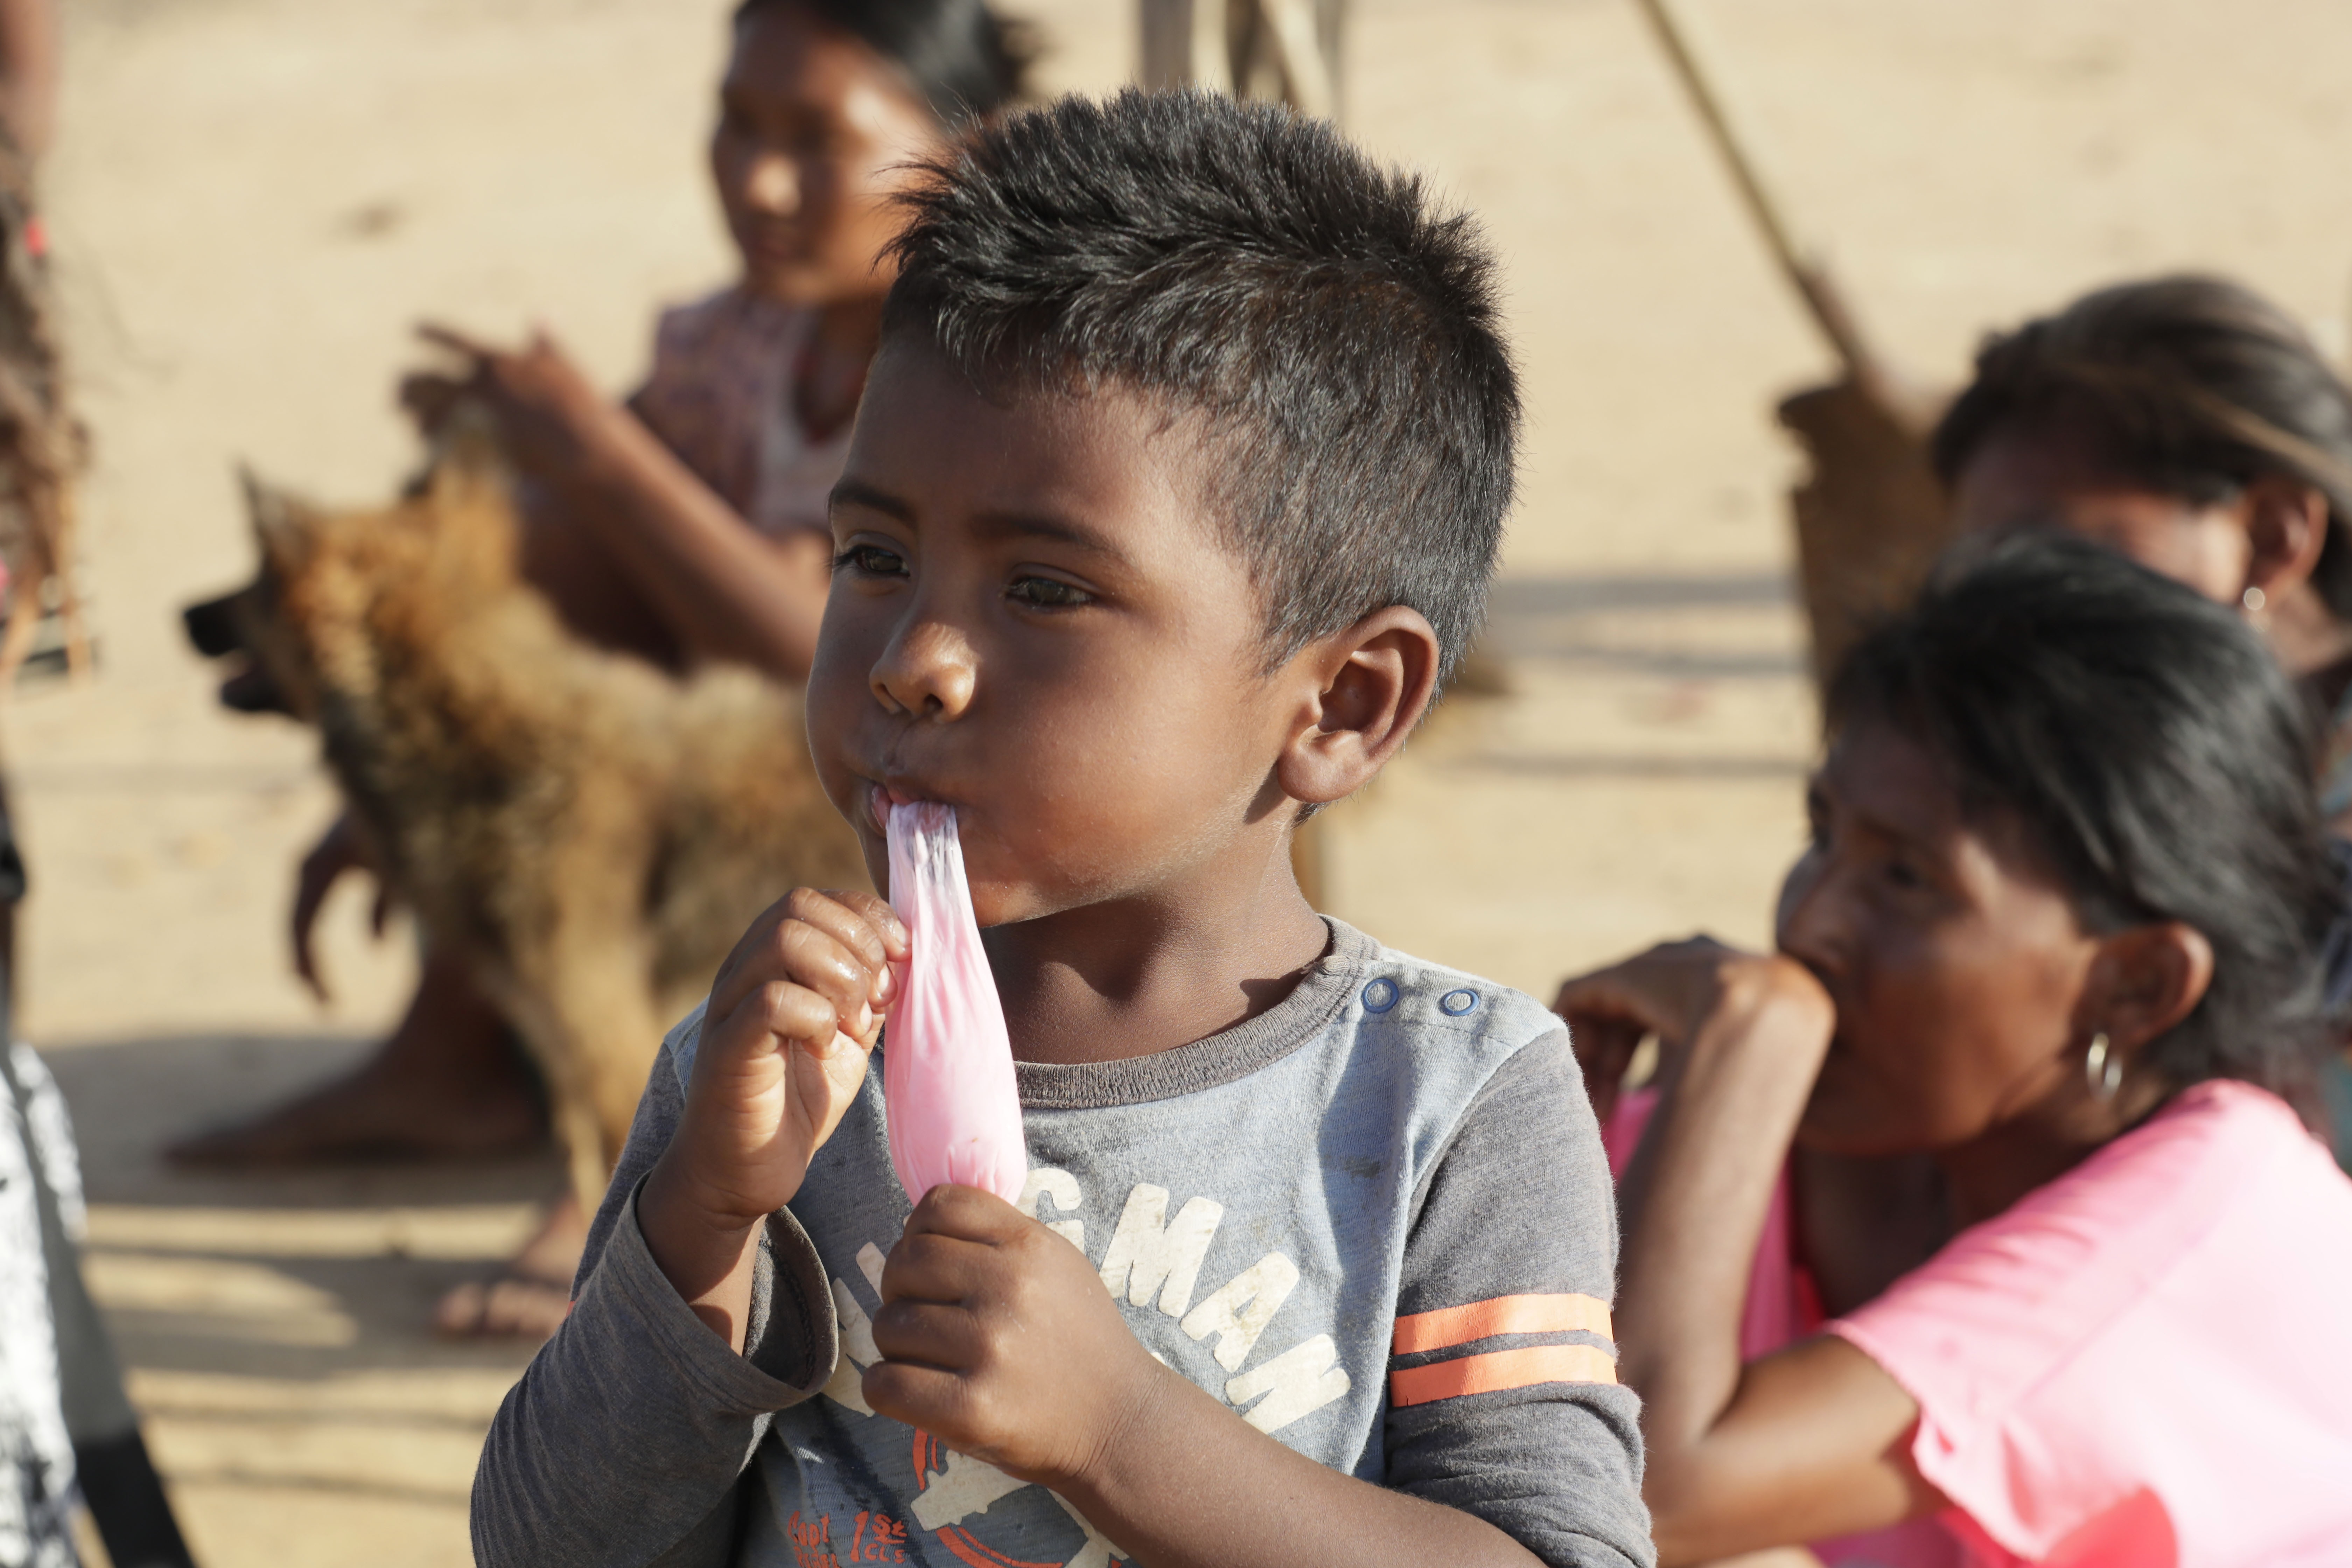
(793, 1015)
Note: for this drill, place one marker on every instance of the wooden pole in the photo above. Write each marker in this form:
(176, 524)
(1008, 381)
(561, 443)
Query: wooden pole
(1870, 515)
(1800, 262)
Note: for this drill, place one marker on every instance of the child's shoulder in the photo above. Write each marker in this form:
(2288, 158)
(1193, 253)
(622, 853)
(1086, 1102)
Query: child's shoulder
(1445, 1031)
(1436, 1006)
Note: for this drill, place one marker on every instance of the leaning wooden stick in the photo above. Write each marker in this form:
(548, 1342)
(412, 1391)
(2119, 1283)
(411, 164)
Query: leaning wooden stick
(1869, 517)
(1800, 262)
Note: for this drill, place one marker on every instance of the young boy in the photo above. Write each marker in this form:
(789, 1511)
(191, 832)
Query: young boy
(1172, 499)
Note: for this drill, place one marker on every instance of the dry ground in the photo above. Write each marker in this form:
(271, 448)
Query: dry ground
(254, 198)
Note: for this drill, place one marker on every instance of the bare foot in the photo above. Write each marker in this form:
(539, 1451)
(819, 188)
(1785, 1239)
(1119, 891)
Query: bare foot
(450, 1083)
(532, 1298)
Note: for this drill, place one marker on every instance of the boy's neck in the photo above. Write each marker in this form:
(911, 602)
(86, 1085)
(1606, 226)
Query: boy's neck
(1137, 976)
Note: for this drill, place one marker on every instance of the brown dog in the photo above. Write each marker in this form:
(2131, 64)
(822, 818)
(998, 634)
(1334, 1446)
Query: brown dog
(590, 833)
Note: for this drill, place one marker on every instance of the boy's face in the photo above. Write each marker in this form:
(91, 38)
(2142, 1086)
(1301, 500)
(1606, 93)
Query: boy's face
(1034, 621)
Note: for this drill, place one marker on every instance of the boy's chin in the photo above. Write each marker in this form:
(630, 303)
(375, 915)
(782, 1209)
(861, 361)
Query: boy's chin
(1006, 904)
(993, 903)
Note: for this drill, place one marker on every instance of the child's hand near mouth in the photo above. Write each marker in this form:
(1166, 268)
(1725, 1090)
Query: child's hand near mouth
(795, 1010)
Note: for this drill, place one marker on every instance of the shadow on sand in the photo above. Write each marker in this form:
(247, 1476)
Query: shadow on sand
(284, 1274)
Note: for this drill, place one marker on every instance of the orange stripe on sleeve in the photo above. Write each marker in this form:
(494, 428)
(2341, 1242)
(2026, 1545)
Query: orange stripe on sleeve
(1503, 1315)
(1500, 1369)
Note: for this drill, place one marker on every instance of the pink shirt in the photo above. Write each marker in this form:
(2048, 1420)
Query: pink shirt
(2147, 1363)
(1782, 1305)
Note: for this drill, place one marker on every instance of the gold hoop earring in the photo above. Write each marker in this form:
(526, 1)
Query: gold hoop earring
(2103, 1069)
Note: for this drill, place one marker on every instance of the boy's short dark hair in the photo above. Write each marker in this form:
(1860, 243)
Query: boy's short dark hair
(1334, 328)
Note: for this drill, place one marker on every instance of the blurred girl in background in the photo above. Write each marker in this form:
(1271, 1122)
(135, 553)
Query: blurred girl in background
(2191, 425)
(687, 524)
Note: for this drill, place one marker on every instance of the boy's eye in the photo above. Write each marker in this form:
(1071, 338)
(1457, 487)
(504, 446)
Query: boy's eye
(870, 561)
(1048, 594)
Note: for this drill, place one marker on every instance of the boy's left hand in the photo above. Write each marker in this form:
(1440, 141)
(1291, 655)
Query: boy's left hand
(999, 1338)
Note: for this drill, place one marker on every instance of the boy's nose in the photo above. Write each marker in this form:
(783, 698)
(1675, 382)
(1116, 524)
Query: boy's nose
(928, 671)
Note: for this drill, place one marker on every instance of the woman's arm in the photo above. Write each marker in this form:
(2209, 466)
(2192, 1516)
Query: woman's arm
(1798, 1445)
(725, 591)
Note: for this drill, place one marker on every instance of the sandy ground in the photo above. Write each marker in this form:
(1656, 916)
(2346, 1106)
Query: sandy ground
(253, 200)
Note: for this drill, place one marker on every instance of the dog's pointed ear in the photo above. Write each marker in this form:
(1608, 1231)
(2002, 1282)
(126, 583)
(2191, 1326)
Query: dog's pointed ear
(279, 522)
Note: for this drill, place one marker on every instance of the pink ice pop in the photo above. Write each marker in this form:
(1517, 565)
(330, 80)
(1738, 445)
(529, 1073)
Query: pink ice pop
(953, 1104)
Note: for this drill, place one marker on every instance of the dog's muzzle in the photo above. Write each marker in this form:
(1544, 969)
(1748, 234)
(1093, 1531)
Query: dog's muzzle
(213, 628)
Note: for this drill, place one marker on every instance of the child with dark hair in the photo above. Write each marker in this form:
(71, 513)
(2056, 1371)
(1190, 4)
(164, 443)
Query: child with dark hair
(1173, 496)
(2049, 973)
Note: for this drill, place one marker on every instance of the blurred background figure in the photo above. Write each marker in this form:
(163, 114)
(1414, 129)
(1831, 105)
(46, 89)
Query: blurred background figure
(2192, 426)
(28, 74)
(67, 1432)
(685, 525)
(1286, 51)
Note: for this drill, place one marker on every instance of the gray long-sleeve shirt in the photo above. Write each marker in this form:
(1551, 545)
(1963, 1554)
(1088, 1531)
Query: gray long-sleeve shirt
(1375, 1220)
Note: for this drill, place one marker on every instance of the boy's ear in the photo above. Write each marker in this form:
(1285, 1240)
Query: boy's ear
(1363, 691)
